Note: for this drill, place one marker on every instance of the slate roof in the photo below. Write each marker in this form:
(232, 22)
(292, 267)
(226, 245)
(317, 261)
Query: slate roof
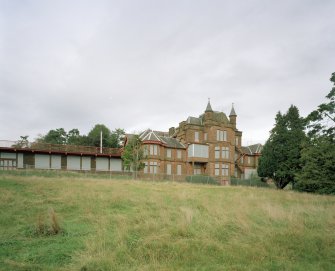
(194, 120)
(252, 149)
(161, 137)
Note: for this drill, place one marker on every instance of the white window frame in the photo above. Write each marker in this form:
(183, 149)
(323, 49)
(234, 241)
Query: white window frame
(168, 153)
(179, 154)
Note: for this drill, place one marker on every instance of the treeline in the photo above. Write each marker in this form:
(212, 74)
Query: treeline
(110, 139)
(301, 151)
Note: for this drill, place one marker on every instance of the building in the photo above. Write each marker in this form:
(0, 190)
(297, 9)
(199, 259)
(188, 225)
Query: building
(58, 157)
(209, 145)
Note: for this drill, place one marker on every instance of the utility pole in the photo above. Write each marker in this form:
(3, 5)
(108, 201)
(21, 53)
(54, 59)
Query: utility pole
(100, 141)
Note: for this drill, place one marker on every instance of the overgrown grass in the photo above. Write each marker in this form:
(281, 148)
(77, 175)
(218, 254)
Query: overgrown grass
(133, 225)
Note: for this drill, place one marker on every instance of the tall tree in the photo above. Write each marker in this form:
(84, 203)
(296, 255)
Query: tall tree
(95, 133)
(57, 136)
(318, 156)
(117, 138)
(281, 153)
(133, 155)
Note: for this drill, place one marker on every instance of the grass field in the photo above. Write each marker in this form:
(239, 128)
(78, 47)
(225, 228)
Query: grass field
(136, 225)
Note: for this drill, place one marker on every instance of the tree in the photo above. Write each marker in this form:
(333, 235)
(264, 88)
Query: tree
(280, 158)
(23, 142)
(318, 156)
(95, 133)
(117, 138)
(57, 136)
(133, 155)
(321, 121)
(73, 137)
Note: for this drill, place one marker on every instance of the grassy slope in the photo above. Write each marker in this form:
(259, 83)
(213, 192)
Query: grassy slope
(128, 225)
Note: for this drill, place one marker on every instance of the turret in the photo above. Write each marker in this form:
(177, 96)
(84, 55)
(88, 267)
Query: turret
(208, 111)
(232, 116)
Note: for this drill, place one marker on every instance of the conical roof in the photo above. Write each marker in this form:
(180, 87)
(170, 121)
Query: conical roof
(209, 107)
(232, 111)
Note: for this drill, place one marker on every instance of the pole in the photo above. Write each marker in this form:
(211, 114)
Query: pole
(100, 141)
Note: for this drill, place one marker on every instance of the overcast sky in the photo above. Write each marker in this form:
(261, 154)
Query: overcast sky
(151, 64)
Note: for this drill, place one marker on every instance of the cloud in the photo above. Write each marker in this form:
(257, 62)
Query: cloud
(141, 64)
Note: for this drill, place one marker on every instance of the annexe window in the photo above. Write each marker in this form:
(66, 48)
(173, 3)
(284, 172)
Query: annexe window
(179, 154)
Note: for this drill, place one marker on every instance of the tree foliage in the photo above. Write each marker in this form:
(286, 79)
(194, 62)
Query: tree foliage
(133, 155)
(110, 139)
(280, 158)
(318, 155)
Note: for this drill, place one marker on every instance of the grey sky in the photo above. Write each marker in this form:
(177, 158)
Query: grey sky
(151, 64)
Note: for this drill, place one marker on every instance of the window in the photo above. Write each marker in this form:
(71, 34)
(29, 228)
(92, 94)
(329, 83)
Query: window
(221, 135)
(242, 160)
(197, 150)
(145, 170)
(225, 170)
(153, 167)
(236, 141)
(217, 170)
(168, 153)
(205, 136)
(217, 152)
(153, 150)
(178, 169)
(168, 169)
(250, 160)
(225, 152)
(196, 136)
(179, 154)
(145, 150)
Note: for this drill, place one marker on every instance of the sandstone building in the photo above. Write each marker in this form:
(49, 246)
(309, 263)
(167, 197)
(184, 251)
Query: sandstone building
(209, 145)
